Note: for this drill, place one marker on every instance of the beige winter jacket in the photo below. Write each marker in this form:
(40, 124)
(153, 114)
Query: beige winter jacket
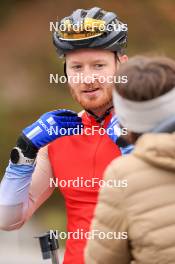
(145, 209)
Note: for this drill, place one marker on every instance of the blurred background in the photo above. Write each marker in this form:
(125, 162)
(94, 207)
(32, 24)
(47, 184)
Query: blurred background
(27, 57)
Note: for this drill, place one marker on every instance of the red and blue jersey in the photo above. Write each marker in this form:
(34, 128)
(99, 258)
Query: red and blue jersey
(81, 156)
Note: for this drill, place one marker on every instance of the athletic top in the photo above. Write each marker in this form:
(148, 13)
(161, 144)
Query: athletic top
(83, 157)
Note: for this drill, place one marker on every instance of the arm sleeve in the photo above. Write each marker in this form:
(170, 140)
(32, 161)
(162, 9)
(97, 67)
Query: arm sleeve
(23, 189)
(110, 219)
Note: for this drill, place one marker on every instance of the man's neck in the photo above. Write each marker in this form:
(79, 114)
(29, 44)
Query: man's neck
(101, 110)
(101, 115)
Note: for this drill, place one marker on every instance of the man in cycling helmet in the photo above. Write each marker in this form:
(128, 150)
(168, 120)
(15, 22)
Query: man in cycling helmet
(93, 50)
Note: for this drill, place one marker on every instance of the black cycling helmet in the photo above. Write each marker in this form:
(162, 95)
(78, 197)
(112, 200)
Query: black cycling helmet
(92, 28)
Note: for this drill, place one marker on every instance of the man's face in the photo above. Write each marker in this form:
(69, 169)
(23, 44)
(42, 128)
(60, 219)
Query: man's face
(92, 91)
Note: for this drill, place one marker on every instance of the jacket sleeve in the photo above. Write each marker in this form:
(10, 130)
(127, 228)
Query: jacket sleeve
(109, 219)
(23, 194)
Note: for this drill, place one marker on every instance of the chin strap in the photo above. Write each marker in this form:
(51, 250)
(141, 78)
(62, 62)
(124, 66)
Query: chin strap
(99, 119)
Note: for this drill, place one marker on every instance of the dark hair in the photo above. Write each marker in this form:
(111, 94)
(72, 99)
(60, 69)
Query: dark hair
(148, 78)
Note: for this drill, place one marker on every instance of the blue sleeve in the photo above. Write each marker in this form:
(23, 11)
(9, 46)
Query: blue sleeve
(116, 133)
(126, 150)
(14, 187)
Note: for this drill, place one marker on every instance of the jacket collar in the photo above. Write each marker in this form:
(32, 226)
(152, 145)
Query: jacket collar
(90, 120)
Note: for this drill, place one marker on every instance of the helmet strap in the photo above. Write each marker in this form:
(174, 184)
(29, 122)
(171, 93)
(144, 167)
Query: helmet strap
(101, 118)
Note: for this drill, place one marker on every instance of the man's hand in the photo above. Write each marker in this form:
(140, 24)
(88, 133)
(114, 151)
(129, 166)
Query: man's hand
(114, 131)
(51, 126)
(46, 129)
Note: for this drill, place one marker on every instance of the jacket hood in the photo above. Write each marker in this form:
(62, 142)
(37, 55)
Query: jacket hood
(157, 149)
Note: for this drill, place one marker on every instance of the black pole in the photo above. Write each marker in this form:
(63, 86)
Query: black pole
(49, 247)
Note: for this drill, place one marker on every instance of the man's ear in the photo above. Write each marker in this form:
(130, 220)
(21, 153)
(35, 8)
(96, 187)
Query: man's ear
(123, 58)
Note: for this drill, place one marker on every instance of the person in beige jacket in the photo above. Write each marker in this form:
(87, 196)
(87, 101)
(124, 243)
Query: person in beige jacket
(136, 223)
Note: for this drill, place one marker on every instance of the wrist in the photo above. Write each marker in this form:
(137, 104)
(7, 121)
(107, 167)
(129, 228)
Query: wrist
(20, 169)
(28, 149)
(24, 153)
(17, 157)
